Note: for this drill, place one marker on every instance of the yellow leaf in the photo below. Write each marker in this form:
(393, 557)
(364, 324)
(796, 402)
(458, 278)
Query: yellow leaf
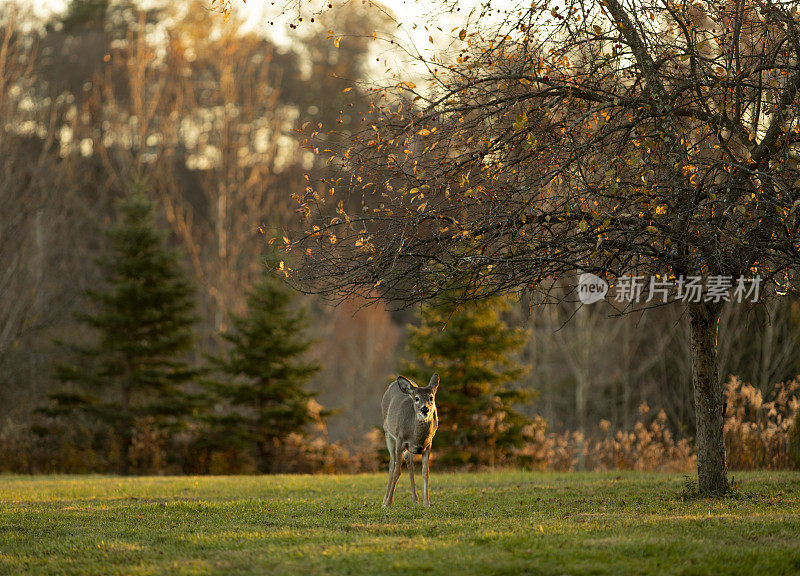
(336, 41)
(462, 34)
(347, 89)
(652, 229)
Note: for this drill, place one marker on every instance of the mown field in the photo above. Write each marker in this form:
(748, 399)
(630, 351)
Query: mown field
(488, 523)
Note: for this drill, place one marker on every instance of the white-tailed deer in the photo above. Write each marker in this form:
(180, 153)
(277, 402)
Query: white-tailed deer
(409, 420)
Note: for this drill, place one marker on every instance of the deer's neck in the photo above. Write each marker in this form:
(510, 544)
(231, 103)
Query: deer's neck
(422, 435)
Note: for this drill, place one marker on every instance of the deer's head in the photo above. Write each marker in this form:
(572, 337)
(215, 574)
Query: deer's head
(424, 399)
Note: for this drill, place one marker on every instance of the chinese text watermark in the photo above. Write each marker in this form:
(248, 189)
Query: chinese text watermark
(657, 289)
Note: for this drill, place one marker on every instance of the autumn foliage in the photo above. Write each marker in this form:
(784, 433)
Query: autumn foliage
(618, 138)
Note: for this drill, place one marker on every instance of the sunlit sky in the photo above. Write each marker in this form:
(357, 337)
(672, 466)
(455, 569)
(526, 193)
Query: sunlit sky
(416, 27)
(256, 12)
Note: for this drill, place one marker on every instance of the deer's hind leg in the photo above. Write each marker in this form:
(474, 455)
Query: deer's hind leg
(396, 461)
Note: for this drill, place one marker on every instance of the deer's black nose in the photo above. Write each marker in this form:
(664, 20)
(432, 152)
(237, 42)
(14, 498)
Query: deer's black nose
(424, 410)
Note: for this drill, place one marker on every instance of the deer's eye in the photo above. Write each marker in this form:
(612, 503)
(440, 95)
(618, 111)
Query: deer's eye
(416, 399)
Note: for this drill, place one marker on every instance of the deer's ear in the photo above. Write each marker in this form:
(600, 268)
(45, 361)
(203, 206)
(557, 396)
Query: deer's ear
(405, 384)
(434, 383)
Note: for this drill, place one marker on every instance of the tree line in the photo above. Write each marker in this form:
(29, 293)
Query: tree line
(140, 406)
(201, 116)
(131, 378)
(130, 383)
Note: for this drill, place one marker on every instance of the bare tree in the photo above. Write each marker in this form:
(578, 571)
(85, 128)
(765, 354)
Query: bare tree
(760, 345)
(51, 204)
(40, 211)
(586, 364)
(21, 218)
(358, 350)
(233, 127)
(626, 138)
(209, 133)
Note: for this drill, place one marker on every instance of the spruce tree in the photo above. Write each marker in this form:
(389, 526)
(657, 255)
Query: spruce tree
(265, 373)
(134, 370)
(85, 14)
(472, 350)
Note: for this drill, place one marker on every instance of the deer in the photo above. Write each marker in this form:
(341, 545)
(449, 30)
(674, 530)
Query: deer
(410, 421)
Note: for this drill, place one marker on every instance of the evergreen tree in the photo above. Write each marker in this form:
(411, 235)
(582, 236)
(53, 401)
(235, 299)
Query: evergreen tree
(265, 373)
(134, 371)
(471, 348)
(85, 14)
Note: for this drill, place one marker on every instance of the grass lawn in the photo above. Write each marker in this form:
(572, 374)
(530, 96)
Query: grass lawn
(488, 523)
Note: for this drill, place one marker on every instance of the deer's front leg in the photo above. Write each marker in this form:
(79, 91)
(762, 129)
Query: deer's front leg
(426, 456)
(411, 476)
(390, 445)
(394, 476)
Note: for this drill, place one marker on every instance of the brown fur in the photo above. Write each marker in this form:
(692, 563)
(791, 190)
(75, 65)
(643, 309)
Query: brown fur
(409, 430)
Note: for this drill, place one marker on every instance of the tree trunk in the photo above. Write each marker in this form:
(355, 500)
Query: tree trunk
(708, 401)
(582, 383)
(126, 465)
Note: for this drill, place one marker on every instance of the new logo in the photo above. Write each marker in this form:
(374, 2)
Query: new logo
(591, 288)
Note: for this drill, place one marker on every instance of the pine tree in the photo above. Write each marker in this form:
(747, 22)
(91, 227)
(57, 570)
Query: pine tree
(471, 348)
(134, 371)
(265, 374)
(85, 14)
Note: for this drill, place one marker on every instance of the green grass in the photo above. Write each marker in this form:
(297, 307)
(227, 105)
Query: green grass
(489, 523)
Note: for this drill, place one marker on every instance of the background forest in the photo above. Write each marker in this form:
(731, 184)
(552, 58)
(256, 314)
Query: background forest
(186, 127)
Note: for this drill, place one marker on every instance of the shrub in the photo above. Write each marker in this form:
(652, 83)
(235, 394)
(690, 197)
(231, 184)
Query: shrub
(649, 446)
(758, 433)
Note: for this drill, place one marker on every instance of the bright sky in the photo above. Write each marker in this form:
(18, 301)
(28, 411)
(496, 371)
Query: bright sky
(43, 7)
(256, 12)
(417, 26)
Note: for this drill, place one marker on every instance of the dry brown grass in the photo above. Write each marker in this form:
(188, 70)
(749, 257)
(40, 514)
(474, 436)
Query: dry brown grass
(649, 446)
(759, 434)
